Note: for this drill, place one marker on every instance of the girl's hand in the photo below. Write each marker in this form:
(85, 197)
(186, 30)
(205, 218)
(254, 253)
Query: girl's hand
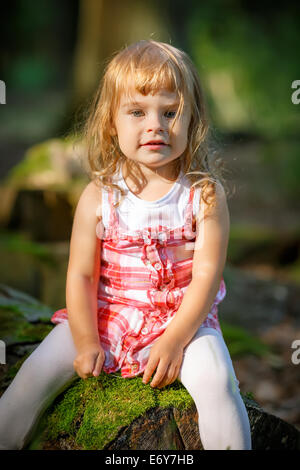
(89, 361)
(166, 354)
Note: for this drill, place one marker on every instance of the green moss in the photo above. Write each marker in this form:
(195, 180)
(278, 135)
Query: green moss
(16, 329)
(23, 318)
(249, 395)
(175, 395)
(17, 307)
(92, 412)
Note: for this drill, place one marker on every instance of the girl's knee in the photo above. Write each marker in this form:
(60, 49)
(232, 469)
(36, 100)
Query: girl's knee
(217, 379)
(207, 366)
(52, 358)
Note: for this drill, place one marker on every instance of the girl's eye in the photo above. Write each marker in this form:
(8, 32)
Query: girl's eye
(170, 114)
(136, 113)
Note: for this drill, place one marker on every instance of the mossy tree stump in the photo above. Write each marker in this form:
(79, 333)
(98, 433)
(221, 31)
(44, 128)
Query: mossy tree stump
(113, 413)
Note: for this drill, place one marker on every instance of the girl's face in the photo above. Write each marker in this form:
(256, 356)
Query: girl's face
(143, 126)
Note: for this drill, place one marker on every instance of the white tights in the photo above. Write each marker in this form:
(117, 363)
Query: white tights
(208, 375)
(206, 372)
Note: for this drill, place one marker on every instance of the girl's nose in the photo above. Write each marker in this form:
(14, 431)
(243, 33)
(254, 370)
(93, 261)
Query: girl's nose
(154, 124)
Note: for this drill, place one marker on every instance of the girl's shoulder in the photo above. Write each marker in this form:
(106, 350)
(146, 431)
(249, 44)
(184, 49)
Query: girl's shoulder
(90, 200)
(86, 225)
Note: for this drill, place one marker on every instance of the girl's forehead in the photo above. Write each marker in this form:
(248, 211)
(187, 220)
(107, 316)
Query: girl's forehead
(135, 95)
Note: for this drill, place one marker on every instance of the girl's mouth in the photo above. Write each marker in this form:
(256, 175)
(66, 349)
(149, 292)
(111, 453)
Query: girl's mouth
(154, 145)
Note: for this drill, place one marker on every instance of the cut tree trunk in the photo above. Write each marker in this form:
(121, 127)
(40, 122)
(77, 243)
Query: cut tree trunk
(173, 429)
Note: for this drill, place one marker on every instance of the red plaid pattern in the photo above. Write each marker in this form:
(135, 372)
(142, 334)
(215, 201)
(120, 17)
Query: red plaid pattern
(140, 290)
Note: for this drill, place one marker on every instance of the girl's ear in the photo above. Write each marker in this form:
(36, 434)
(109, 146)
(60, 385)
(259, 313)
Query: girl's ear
(113, 130)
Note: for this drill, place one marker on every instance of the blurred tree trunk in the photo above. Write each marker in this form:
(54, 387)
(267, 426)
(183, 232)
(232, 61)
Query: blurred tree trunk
(88, 48)
(103, 28)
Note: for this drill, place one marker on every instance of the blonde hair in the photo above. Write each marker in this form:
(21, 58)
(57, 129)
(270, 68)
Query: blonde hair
(151, 66)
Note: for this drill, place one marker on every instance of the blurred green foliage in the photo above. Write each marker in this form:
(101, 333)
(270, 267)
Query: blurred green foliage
(246, 53)
(28, 72)
(18, 242)
(284, 158)
(247, 62)
(241, 343)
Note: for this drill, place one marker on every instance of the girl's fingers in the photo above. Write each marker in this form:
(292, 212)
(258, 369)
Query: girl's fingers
(159, 375)
(98, 365)
(150, 368)
(168, 379)
(172, 375)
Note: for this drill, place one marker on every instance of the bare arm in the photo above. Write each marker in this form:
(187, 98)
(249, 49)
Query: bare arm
(209, 259)
(80, 293)
(210, 254)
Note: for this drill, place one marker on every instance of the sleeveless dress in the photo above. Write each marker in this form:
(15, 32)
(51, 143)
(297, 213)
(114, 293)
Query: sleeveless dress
(141, 278)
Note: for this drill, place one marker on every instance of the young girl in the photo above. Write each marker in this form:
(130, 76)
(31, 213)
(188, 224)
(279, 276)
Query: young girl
(147, 253)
